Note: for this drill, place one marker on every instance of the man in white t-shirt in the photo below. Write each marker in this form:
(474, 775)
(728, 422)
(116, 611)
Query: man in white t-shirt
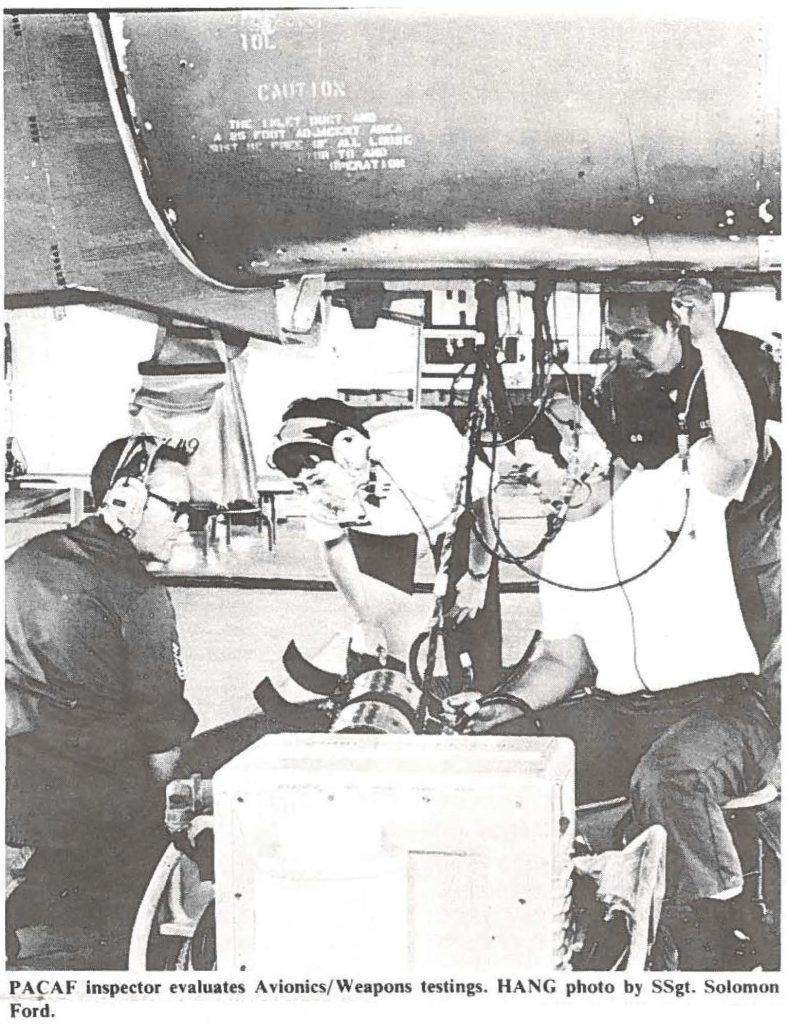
(638, 592)
(382, 496)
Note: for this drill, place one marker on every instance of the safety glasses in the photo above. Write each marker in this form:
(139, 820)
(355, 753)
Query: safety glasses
(178, 508)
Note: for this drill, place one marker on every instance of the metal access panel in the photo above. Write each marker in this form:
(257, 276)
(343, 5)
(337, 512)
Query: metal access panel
(76, 228)
(281, 141)
(407, 853)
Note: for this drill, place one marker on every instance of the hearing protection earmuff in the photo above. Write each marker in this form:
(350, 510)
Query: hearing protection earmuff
(127, 496)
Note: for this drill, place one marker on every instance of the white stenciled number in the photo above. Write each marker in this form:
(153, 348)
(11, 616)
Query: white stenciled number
(257, 41)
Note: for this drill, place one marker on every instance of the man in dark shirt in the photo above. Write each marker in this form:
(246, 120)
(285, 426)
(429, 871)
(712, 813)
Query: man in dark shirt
(95, 689)
(656, 380)
(669, 712)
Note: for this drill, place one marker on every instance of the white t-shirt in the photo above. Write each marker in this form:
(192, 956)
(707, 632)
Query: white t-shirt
(423, 457)
(687, 624)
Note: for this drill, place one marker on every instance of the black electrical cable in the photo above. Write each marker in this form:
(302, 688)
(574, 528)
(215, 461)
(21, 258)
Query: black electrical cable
(620, 583)
(475, 450)
(585, 499)
(412, 658)
(556, 519)
(523, 431)
(468, 362)
(540, 403)
(608, 374)
(512, 559)
(540, 408)
(553, 527)
(435, 631)
(504, 554)
(554, 522)
(417, 644)
(682, 418)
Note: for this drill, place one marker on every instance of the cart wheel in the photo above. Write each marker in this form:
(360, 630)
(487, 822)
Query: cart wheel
(175, 925)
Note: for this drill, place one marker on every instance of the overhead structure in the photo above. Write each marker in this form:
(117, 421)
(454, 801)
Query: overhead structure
(187, 161)
(358, 141)
(77, 226)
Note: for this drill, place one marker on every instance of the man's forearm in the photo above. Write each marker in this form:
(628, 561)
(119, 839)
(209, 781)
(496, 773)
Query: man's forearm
(545, 681)
(343, 567)
(479, 557)
(729, 405)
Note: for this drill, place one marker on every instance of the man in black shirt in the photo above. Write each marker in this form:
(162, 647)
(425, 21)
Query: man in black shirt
(655, 383)
(95, 693)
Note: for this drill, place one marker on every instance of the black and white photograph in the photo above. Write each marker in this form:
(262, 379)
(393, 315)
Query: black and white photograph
(392, 509)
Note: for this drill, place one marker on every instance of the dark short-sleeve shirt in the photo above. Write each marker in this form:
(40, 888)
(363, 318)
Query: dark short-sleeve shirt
(644, 428)
(87, 622)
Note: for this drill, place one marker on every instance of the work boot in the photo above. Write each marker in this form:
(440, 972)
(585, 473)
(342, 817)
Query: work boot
(695, 937)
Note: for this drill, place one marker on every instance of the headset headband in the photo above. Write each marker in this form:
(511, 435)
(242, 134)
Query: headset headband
(300, 430)
(149, 446)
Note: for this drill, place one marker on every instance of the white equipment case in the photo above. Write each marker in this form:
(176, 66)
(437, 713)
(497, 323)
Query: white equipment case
(392, 854)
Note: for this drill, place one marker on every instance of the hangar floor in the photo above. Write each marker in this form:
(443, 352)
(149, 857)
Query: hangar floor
(235, 619)
(239, 606)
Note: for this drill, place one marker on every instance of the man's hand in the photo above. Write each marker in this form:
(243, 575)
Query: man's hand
(692, 303)
(733, 446)
(459, 706)
(164, 765)
(470, 597)
(463, 712)
(368, 638)
(333, 495)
